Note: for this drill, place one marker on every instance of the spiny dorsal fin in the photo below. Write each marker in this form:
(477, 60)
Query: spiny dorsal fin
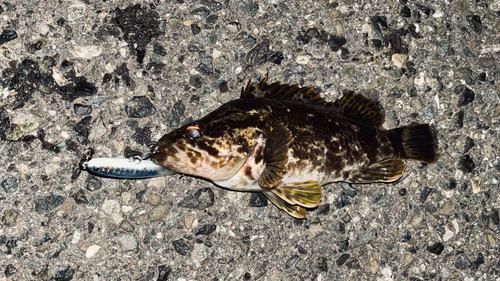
(275, 156)
(283, 91)
(360, 108)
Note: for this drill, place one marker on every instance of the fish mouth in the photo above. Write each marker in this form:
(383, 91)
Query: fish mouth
(171, 148)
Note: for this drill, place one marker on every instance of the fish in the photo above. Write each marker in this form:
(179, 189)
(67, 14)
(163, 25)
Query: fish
(286, 141)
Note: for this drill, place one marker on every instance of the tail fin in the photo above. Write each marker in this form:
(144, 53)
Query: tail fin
(416, 143)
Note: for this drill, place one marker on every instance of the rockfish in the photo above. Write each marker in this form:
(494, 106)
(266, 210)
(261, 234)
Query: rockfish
(286, 142)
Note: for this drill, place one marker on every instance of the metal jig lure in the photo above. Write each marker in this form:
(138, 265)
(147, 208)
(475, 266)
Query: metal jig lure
(125, 168)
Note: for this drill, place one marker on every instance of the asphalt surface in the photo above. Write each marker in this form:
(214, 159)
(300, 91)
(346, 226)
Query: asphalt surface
(116, 76)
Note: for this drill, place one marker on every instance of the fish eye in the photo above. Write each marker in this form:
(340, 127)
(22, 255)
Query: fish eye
(193, 132)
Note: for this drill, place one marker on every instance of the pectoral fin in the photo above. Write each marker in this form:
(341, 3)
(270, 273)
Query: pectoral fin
(295, 211)
(275, 156)
(306, 194)
(385, 171)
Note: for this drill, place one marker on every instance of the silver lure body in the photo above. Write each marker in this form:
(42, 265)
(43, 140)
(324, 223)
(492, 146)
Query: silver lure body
(126, 168)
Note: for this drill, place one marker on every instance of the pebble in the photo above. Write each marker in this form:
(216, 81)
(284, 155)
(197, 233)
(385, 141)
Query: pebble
(189, 202)
(321, 264)
(163, 272)
(342, 259)
(76, 10)
(139, 107)
(342, 200)
(491, 240)
(62, 273)
(205, 197)
(26, 122)
(96, 199)
(93, 183)
(277, 58)
(205, 229)
(494, 217)
(10, 185)
(257, 199)
(289, 263)
(201, 199)
(82, 109)
(378, 195)
(48, 203)
(258, 54)
(365, 238)
(469, 143)
(466, 97)
(127, 242)
(466, 164)
(233, 27)
(196, 81)
(97, 130)
(159, 212)
(112, 208)
(399, 60)
(425, 193)
(91, 251)
(445, 209)
(486, 62)
(247, 10)
(404, 236)
(9, 217)
(323, 209)
(199, 254)
(436, 248)
(153, 199)
(402, 192)
(7, 35)
(474, 22)
(87, 52)
(174, 217)
(127, 226)
(303, 59)
(181, 247)
(405, 12)
(462, 262)
(200, 13)
(476, 184)
(10, 270)
(13, 133)
(213, 5)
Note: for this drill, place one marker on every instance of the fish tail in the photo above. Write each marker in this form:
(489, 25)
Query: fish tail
(415, 143)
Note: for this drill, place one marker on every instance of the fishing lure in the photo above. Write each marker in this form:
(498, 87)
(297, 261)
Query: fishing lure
(124, 168)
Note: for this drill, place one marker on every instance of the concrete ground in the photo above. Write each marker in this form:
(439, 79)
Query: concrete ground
(115, 76)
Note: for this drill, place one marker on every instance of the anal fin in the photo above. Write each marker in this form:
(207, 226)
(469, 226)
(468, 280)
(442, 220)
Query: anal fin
(306, 194)
(295, 211)
(385, 171)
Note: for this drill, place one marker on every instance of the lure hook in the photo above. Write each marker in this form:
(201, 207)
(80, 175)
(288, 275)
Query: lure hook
(86, 157)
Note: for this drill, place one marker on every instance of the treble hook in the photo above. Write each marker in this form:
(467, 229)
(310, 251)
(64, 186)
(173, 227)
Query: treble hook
(155, 149)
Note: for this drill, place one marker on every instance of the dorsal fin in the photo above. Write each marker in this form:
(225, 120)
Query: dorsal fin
(360, 108)
(283, 91)
(353, 105)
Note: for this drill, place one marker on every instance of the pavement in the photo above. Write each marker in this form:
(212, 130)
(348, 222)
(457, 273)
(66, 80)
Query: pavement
(116, 76)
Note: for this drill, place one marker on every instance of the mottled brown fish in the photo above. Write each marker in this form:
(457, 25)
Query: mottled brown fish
(286, 142)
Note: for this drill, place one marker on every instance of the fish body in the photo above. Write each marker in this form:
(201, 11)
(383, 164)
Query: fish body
(286, 142)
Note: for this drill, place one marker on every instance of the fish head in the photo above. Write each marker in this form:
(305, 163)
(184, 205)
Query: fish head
(215, 147)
